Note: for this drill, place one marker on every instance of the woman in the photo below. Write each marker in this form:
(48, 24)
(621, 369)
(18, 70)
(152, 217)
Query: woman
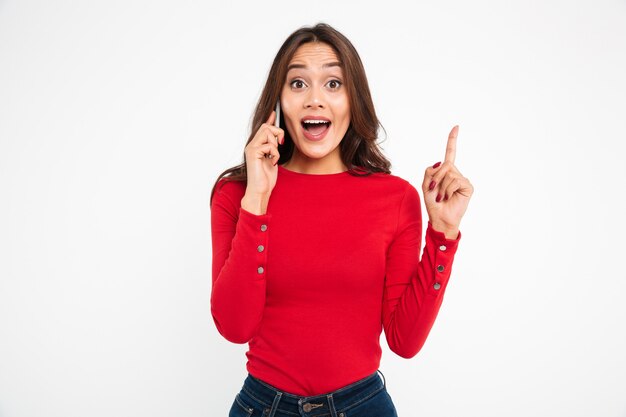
(316, 244)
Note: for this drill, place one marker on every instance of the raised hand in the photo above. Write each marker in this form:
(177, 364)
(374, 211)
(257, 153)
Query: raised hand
(262, 155)
(446, 191)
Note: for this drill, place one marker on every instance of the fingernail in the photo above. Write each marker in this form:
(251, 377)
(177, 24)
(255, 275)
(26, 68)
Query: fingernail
(432, 185)
(446, 197)
(437, 164)
(438, 198)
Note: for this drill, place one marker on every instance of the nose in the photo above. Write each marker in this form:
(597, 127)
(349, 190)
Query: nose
(314, 99)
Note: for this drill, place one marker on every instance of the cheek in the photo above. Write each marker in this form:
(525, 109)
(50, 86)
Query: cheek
(285, 112)
(286, 109)
(341, 108)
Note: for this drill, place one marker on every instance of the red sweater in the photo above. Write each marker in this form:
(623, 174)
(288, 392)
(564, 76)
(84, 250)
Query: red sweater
(310, 284)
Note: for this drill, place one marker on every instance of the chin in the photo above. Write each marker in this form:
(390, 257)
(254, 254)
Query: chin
(316, 148)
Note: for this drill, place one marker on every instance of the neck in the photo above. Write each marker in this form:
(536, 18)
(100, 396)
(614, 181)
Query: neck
(313, 166)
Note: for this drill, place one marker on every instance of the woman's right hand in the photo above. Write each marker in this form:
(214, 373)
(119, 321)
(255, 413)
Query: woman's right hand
(261, 169)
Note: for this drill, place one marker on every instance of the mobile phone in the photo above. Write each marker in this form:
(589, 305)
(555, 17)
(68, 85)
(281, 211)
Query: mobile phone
(277, 121)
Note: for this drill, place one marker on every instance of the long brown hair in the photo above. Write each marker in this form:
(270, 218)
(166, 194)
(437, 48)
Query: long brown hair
(359, 150)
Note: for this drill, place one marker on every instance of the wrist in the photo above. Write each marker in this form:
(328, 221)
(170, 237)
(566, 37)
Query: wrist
(255, 204)
(451, 232)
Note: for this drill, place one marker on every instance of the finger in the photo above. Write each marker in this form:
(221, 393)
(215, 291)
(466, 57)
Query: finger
(445, 183)
(266, 133)
(264, 152)
(273, 139)
(452, 187)
(427, 179)
(432, 169)
(439, 174)
(275, 132)
(466, 188)
(451, 146)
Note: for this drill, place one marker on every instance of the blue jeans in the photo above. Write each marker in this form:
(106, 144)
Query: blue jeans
(366, 397)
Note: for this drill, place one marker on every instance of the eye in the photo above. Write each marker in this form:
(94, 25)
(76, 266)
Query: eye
(296, 81)
(337, 83)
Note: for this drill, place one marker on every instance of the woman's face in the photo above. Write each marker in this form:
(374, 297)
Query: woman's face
(314, 89)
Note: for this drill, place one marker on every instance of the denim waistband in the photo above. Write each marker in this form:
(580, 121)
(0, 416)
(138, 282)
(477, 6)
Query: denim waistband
(318, 405)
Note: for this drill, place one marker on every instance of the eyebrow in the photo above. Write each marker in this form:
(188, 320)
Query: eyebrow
(328, 65)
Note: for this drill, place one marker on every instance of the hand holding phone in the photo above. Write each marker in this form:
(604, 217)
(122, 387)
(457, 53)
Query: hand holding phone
(262, 156)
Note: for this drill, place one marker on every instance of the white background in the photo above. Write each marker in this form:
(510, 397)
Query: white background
(117, 116)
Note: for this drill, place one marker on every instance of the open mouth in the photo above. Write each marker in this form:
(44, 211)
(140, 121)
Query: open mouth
(315, 127)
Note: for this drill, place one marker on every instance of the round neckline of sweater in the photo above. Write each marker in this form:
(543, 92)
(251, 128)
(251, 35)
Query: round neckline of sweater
(304, 175)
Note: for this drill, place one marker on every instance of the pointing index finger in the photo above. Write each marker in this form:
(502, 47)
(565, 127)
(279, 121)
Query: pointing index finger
(451, 146)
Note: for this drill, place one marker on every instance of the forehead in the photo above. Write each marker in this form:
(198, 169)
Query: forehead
(314, 54)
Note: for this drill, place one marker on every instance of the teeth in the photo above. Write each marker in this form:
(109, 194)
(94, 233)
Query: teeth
(315, 121)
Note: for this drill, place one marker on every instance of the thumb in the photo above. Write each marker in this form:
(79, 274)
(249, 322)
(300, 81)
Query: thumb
(272, 117)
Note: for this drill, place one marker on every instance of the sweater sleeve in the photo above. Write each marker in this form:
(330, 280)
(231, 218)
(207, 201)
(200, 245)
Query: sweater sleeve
(414, 288)
(239, 245)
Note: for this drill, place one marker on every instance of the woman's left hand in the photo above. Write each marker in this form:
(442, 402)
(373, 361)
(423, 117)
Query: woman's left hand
(446, 191)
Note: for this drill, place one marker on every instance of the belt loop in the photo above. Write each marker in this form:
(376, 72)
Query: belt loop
(275, 403)
(384, 381)
(331, 405)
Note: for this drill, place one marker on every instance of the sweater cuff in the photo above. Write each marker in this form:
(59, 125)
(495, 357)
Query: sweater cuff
(253, 232)
(251, 217)
(442, 251)
(440, 238)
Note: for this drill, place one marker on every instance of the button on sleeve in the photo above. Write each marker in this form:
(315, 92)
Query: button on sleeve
(240, 246)
(414, 287)
(443, 256)
(258, 230)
